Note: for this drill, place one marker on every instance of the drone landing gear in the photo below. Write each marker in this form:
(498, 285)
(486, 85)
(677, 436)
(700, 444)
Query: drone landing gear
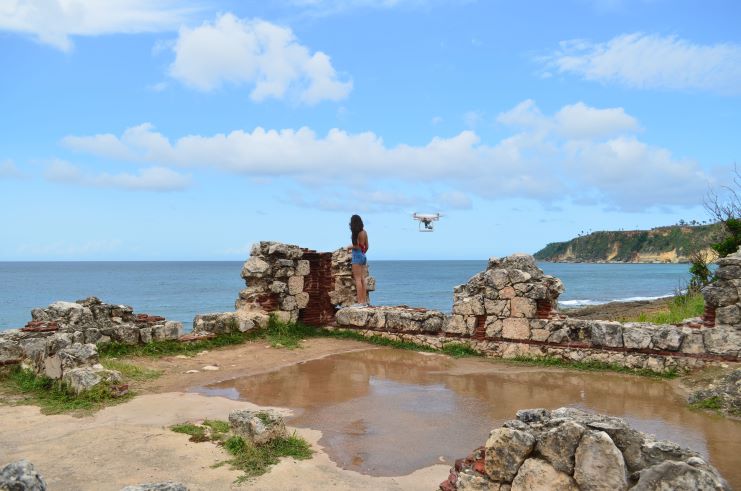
(426, 227)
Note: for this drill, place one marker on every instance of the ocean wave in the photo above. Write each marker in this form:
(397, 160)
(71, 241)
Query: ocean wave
(587, 302)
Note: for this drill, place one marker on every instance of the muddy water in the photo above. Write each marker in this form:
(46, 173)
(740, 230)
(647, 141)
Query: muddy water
(389, 412)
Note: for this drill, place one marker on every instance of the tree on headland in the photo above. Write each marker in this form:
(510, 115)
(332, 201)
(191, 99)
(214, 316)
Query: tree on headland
(727, 210)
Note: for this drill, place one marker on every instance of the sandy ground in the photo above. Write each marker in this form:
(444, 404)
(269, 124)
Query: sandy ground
(130, 443)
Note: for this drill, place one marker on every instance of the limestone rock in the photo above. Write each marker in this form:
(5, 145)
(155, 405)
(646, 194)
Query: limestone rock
(254, 267)
(606, 333)
(78, 355)
(667, 338)
(506, 450)
(85, 378)
(678, 476)
(21, 476)
(558, 445)
(599, 465)
(257, 426)
(158, 486)
(539, 475)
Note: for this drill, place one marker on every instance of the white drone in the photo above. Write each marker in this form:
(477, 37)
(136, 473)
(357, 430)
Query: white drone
(425, 220)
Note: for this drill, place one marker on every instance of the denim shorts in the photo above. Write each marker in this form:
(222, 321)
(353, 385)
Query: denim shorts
(358, 257)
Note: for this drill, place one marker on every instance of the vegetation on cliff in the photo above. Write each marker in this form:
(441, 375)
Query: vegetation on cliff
(662, 244)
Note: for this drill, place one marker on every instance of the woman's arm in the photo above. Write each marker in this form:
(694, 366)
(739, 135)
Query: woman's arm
(363, 237)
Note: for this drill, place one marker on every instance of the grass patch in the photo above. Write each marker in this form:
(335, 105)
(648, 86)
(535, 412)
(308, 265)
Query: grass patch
(129, 371)
(255, 460)
(459, 350)
(157, 349)
(52, 396)
(714, 403)
(590, 366)
(680, 308)
(287, 335)
(217, 425)
(197, 433)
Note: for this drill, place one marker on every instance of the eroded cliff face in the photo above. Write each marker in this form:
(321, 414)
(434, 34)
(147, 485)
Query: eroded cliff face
(658, 245)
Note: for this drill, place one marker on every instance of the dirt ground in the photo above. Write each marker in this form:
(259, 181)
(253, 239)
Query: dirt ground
(130, 443)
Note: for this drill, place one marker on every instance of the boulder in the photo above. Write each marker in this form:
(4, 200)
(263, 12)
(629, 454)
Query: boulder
(598, 464)
(537, 475)
(78, 355)
(257, 426)
(21, 476)
(85, 378)
(558, 445)
(506, 450)
(679, 476)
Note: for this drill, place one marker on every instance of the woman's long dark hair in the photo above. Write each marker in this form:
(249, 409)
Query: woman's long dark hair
(356, 225)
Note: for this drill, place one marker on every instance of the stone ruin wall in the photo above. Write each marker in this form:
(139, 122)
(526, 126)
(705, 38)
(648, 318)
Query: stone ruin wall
(509, 311)
(60, 341)
(293, 284)
(723, 296)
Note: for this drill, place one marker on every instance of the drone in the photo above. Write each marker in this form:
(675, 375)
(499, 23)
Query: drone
(425, 220)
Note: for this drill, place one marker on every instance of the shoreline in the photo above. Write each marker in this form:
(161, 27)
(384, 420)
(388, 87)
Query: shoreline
(616, 311)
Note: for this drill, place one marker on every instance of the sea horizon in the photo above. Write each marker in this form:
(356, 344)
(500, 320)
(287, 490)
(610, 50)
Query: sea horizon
(180, 289)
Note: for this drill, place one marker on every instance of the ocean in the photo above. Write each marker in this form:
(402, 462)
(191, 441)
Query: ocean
(179, 290)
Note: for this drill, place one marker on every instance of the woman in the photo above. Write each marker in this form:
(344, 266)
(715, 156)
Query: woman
(359, 247)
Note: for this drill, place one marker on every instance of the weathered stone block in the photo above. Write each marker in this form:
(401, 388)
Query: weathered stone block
(302, 300)
(523, 307)
(607, 334)
(85, 378)
(258, 427)
(493, 327)
(667, 338)
(277, 287)
(515, 328)
(507, 292)
(21, 476)
(295, 285)
(729, 315)
(255, 267)
(636, 336)
(558, 445)
(722, 341)
(145, 335)
(598, 464)
(302, 267)
(537, 474)
(505, 451)
(352, 316)
(157, 486)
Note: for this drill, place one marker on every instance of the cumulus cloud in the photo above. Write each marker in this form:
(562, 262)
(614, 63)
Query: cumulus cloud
(148, 179)
(257, 53)
(648, 61)
(8, 170)
(53, 22)
(577, 153)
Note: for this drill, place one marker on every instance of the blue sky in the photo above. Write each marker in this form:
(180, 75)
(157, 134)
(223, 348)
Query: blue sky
(189, 130)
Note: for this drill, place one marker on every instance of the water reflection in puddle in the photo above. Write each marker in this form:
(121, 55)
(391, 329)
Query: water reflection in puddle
(390, 412)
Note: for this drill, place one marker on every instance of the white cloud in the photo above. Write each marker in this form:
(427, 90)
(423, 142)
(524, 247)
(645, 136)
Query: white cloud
(258, 53)
(329, 7)
(578, 153)
(575, 121)
(149, 179)
(8, 170)
(581, 121)
(53, 22)
(647, 61)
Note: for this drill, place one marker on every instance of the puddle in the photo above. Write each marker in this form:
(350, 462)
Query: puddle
(389, 412)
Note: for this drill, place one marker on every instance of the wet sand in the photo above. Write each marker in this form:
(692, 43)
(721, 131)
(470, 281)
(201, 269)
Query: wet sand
(388, 412)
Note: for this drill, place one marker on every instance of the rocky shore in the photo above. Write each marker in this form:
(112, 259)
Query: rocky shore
(617, 311)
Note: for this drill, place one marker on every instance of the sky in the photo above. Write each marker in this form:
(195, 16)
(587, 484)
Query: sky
(188, 130)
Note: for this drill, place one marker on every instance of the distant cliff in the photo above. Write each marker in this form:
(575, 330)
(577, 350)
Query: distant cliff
(671, 244)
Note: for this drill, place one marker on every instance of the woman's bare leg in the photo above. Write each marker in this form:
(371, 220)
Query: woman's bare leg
(357, 274)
